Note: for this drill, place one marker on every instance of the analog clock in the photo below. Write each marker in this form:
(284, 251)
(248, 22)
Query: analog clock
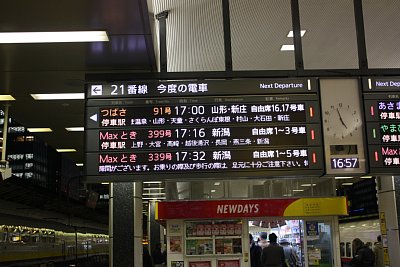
(341, 121)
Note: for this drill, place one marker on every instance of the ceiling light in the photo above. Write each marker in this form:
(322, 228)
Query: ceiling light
(287, 195)
(366, 177)
(153, 188)
(154, 198)
(75, 129)
(39, 130)
(152, 182)
(79, 164)
(53, 37)
(298, 190)
(213, 191)
(64, 96)
(217, 183)
(308, 185)
(347, 183)
(302, 32)
(105, 183)
(287, 48)
(153, 194)
(64, 150)
(6, 98)
(343, 177)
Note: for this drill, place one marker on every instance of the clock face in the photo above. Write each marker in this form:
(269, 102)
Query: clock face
(341, 121)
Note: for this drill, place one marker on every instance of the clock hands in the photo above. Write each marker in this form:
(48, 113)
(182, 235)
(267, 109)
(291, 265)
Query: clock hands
(340, 118)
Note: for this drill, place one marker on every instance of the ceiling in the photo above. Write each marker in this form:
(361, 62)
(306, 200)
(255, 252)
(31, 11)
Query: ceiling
(194, 43)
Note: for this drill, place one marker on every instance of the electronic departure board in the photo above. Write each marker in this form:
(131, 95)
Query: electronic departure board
(382, 110)
(192, 129)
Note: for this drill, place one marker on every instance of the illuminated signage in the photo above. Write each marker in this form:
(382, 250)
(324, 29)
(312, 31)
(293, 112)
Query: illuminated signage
(345, 163)
(204, 134)
(382, 112)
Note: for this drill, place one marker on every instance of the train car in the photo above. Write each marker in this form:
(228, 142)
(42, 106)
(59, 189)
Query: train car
(19, 244)
(366, 230)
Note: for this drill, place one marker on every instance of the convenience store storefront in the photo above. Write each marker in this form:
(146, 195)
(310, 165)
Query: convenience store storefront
(215, 233)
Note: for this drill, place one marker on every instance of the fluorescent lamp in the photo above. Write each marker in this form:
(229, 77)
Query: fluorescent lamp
(65, 96)
(347, 184)
(79, 164)
(343, 177)
(152, 182)
(53, 37)
(105, 183)
(153, 188)
(298, 190)
(366, 177)
(153, 198)
(75, 129)
(213, 191)
(6, 98)
(153, 194)
(287, 48)
(64, 150)
(217, 183)
(302, 32)
(39, 130)
(308, 185)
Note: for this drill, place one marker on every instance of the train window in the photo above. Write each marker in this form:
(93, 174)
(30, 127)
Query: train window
(3, 235)
(35, 236)
(26, 237)
(51, 237)
(348, 249)
(14, 236)
(342, 249)
(43, 237)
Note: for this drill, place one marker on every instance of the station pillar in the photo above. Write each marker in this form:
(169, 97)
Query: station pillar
(388, 188)
(125, 225)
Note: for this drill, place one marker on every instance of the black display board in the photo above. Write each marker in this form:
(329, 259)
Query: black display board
(202, 129)
(382, 111)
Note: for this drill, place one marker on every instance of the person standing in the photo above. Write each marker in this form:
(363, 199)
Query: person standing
(262, 243)
(255, 253)
(378, 251)
(363, 256)
(158, 256)
(273, 255)
(290, 255)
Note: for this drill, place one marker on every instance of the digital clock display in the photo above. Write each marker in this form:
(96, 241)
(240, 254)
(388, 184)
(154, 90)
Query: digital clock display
(202, 133)
(345, 163)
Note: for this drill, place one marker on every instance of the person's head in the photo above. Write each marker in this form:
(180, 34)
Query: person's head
(251, 239)
(357, 243)
(264, 236)
(284, 242)
(272, 238)
(379, 238)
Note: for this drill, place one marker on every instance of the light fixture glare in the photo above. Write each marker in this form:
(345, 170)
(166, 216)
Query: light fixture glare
(63, 96)
(66, 150)
(6, 98)
(302, 32)
(287, 47)
(53, 37)
(75, 129)
(39, 130)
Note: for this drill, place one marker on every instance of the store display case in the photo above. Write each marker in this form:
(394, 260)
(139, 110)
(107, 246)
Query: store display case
(213, 237)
